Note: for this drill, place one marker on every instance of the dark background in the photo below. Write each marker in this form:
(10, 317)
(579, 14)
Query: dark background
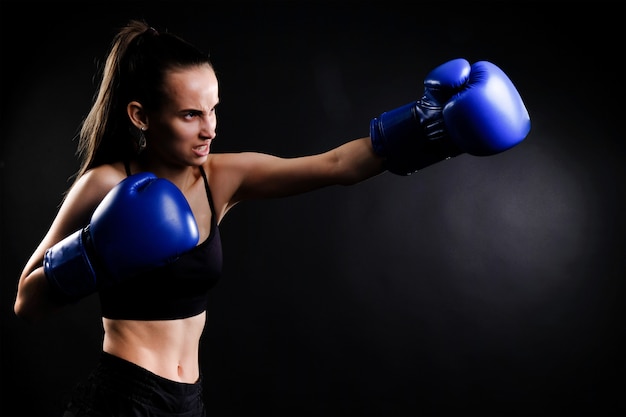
(478, 286)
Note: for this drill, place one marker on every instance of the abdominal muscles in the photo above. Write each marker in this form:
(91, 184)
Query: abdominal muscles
(168, 348)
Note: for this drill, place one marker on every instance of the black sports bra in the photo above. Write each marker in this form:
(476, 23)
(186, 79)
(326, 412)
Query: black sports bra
(174, 291)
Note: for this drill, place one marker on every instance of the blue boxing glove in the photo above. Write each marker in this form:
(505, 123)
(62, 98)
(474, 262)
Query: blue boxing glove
(465, 108)
(142, 223)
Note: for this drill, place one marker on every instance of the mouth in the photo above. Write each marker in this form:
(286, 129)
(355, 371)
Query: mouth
(201, 150)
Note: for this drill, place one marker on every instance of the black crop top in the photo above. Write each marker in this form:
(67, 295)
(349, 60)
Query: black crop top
(174, 291)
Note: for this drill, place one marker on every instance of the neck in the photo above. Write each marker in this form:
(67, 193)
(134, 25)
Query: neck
(181, 175)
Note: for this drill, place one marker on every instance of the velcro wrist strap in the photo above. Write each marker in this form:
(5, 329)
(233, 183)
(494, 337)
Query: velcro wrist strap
(68, 268)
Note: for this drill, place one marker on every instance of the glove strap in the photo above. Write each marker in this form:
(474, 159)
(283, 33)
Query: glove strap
(411, 137)
(69, 269)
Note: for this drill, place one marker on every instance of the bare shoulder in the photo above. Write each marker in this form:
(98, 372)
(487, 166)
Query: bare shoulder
(89, 190)
(224, 178)
(238, 176)
(97, 182)
(223, 160)
(240, 158)
(254, 175)
(79, 204)
(241, 164)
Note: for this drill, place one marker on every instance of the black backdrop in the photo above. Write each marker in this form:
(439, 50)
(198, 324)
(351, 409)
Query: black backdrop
(478, 286)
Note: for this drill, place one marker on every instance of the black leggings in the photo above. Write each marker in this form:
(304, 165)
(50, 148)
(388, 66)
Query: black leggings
(119, 388)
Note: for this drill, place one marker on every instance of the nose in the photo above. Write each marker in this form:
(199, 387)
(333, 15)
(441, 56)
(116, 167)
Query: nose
(208, 130)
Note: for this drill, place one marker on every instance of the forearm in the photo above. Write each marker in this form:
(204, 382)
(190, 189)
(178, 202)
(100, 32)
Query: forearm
(34, 299)
(356, 161)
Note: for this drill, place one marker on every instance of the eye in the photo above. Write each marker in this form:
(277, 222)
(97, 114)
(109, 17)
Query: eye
(191, 114)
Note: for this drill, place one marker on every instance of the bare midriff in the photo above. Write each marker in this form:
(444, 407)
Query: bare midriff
(168, 348)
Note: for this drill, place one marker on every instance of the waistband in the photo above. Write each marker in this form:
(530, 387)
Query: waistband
(137, 383)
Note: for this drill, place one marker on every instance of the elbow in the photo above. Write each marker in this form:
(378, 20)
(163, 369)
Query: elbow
(25, 313)
(22, 312)
(34, 300)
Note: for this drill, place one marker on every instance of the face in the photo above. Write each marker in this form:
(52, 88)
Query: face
(182, 131)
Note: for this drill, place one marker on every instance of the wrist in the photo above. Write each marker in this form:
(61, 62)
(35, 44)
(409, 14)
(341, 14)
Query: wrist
(69, 269)
(411, 137)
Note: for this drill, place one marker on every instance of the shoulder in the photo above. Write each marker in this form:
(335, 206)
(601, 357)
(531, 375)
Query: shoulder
(241, 162)
(102, 178)
(94, 184)
(82, 199)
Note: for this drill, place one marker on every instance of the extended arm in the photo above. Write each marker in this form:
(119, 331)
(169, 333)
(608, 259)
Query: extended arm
(243, 176)
(465, 108)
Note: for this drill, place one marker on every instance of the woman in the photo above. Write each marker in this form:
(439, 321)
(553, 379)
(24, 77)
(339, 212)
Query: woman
(153, 120)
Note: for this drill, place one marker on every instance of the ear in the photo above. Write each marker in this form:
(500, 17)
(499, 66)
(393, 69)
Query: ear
(137, 115)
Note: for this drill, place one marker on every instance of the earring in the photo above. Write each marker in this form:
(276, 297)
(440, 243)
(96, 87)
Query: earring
(141, 140)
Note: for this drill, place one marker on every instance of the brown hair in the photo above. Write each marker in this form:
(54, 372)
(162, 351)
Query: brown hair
(134, 69)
